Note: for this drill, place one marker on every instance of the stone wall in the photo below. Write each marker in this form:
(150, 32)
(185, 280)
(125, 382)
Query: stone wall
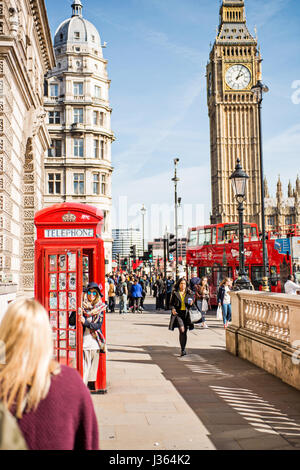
(265, 330)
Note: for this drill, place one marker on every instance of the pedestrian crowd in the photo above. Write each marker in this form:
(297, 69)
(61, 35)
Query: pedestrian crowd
(127, 290)
(36, 391)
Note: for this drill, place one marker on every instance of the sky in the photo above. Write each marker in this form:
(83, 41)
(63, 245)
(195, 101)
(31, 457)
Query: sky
(157, 51)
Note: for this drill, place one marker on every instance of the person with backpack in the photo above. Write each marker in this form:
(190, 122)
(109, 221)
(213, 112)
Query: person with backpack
(112, 296)
(122, 294)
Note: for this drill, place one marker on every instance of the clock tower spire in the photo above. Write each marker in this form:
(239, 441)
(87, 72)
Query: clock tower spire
(234, 67)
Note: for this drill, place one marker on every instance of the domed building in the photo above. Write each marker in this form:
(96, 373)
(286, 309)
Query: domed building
(78, 164)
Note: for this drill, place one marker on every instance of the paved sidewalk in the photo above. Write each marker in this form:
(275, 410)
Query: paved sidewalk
(206, 400)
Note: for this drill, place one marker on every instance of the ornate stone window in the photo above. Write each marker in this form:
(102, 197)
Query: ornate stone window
(56, 148)
(78, 147)
(54, 183)
(103, 184)
(97, 91)
(96, 183)
(78, 115)
(54, 90)
(78, 88)
(78, 183)
(54, 117)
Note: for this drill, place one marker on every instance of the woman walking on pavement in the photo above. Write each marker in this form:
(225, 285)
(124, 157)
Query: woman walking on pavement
(224, 299)
(50, 401)
(182, 299)
(202, 299)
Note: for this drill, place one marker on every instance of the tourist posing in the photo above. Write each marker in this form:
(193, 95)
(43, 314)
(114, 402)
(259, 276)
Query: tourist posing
(93, 341)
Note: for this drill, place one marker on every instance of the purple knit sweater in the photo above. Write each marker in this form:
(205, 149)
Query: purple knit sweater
(65, 419)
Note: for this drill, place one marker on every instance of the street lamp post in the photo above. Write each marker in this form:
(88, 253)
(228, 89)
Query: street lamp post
(239, 180)
(143, 211)
(175, 179)
(258, 90)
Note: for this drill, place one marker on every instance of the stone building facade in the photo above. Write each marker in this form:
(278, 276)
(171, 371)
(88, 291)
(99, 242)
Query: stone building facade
(283, 210)
(78, 164)
(26, 54)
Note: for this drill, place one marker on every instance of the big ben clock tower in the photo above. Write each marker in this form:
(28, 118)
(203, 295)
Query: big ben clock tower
(233, 68)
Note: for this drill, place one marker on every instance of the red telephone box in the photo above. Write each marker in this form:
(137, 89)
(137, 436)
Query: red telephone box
(69, 254)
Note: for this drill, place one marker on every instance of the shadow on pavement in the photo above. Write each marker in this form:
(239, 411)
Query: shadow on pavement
(241, 406)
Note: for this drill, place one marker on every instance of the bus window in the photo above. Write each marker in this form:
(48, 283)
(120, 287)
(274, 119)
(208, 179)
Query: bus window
(204, 236)
(214, 236)
(254, 235)
(256, 276)
(273, 276)
(193, 238)
(219, 273)
(228, 233)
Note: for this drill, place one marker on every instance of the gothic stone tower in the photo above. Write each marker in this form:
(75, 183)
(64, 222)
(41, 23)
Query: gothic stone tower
(233, 68)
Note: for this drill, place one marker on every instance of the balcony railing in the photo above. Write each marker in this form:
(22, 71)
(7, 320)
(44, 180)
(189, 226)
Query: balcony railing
(265, 330)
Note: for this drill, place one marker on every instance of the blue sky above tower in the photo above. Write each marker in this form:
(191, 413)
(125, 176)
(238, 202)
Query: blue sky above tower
(157, 54)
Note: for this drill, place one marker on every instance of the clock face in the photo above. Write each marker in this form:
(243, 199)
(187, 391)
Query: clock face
(238, 77)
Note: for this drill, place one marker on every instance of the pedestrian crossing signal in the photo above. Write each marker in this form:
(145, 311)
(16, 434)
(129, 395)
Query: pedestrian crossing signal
(171, 243)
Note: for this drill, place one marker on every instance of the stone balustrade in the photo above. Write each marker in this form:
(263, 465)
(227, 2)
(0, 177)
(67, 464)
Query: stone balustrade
(265, 330)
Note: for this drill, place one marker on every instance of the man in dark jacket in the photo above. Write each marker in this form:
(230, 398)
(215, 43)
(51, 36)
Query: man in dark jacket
(194, 281)
(169, 288)
(160, 293)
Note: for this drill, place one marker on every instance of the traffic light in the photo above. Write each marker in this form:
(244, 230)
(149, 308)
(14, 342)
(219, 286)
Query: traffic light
(133, 252)
(118, 259)
(150, 252)
(172, 242)
(124, 263)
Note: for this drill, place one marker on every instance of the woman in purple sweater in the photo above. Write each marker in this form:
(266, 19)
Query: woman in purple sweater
(50, 401)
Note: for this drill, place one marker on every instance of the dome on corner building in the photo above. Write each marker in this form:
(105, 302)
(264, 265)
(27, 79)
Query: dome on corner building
(77, 30)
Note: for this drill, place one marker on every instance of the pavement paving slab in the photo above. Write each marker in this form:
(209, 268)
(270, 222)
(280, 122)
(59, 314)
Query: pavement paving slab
(207, 400)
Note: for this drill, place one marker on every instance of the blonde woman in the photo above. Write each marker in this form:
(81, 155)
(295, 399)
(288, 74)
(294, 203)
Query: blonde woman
(50, 401)
(93, 341)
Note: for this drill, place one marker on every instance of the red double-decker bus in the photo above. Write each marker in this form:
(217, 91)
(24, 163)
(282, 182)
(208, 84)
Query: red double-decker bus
(213, 251)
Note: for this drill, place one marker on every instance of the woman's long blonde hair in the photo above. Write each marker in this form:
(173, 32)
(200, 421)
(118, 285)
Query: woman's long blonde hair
(27, 349)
